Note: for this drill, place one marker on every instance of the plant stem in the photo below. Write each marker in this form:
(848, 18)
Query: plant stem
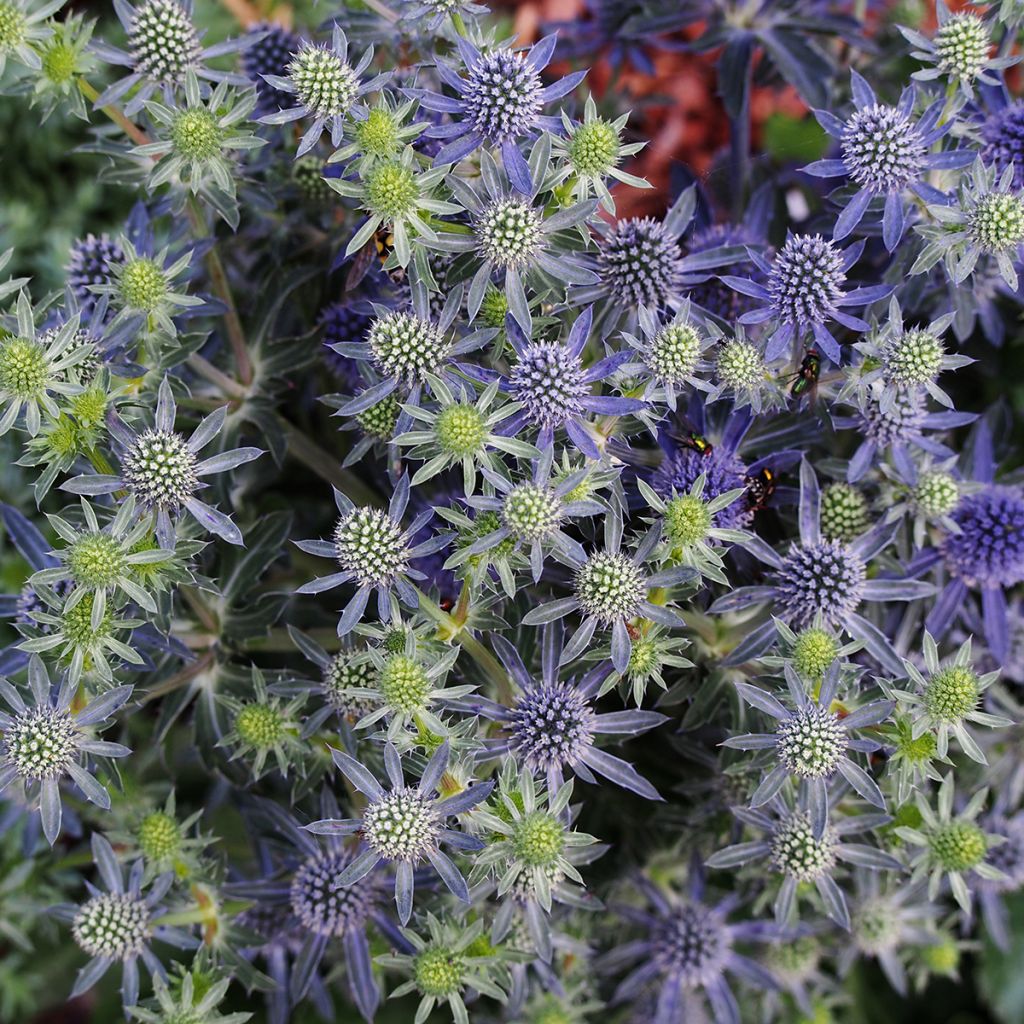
(327, 467)
(132, 130)
(222, 288)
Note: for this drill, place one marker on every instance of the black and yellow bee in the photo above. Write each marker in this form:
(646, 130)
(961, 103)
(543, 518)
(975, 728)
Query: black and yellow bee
(381, 246)
(760, 489)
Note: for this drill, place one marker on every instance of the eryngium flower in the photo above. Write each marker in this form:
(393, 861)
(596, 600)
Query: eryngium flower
(552, 724)
(498, 102)
(804, 290)
(326, 87)
(91, 261)
(810, 743)
(22, 28)
(822, 579)
(374, 552)
(44, 743)
(162, 470)
(885, 153)
(268, 54)
(117, 924)
(163, 46)
(685, 950)
(1002, 136)
(404, 825)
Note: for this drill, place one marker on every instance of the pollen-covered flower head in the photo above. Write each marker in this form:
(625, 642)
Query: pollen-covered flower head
(325, 83)
(640, 263)
(503, 94)
(912, 359)
(796, 852)
(1003, 141)
(740, 365)
(531, 512)
(552, 725)
(163, 41)
(114, 926)
(811, 741)
(42, 742)
(406, 346)
(883, 149)
(609, 586)
(995, 221)
(370, 545)
(160, 469)
(989, 549)
(962, 45)
(508, 232)
(322, 907)
(827, 578)
(805, 283)
(693, 945)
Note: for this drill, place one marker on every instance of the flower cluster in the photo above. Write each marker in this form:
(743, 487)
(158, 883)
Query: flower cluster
(456, 569)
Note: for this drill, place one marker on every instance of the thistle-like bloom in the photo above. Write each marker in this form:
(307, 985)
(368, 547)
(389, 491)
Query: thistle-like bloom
(404, 825)
(689, 534)
(162, 470)
(464, 430)
(396, 194)
(100, 560)
(445, 966)
(960, 51)
(163, 46)
(1002, 135)
(792, 851)
(117, 924)
(822, 578)
(592, 151)
(985, 224)
(951, 846)
(552, 386)
(144, 288)
(885, 153)
(405, 347)
(44, 743)
(811, 742)
(379, 133)
(671, 354)
(905, 360)
(22, 28)
(198, 143)
(985, 553)
(374, 552)
(262, 725)
(325, 86)
(497, 103)
(685, 952)
(64, 57)
(610, 588)
(947, 698)
(896, 421)
(803, 291)
(531, 851)
(529, 514)
(91, 262)
(886, 923)
(268, 53)
(514, 240)
(552, 724)
(34, 367)
(406, 687)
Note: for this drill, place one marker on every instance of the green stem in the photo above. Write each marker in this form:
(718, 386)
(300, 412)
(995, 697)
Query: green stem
(132, 130)
(222, 288)
(487, 662)
(327, 467)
